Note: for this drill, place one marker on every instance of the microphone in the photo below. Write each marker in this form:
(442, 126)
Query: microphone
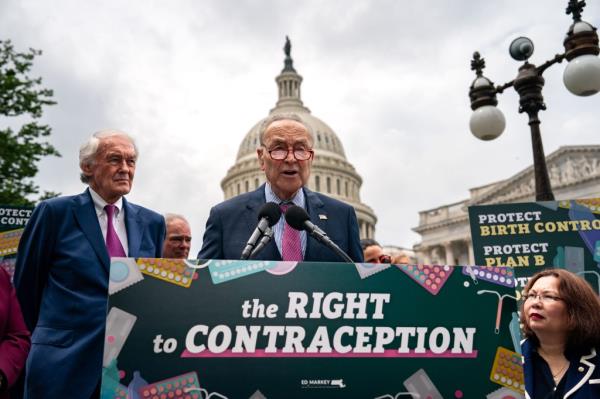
(298, 219)
(268, 236)
(268, 215)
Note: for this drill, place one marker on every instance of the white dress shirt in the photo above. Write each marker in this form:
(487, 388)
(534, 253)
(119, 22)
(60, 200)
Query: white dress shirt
(119, 218)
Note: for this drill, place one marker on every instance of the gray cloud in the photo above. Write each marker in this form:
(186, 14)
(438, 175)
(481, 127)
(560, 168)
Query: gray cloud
(189, 79)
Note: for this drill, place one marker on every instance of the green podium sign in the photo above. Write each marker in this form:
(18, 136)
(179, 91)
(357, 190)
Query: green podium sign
(268, 329)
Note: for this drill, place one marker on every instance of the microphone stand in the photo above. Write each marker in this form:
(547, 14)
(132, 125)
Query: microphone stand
(331, 245)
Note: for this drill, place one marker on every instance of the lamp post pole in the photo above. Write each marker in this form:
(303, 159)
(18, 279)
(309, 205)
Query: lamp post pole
(582, 77)
(529, 84)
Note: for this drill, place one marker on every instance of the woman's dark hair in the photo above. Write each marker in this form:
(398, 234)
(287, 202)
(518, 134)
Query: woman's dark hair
(583, 309)
(367, 242)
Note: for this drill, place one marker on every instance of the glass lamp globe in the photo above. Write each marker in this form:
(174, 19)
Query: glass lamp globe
(582, 75)
(487, 122)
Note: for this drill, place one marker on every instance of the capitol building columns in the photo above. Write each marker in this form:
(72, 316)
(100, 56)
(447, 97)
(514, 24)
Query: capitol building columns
(449, 253)
(367, 230)
(455, 252)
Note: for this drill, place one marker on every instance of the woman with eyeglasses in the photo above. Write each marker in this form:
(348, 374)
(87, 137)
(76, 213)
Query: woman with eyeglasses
(373, 252)
(561, 323)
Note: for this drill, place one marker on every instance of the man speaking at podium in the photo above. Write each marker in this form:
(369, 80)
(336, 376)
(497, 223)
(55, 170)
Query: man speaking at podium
(285, 155)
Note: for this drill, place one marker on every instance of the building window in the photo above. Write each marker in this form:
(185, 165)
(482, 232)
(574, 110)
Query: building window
(338, 186)
(247, 186)
(317, 183)
(328, 184)
(346, 188)
(256, 183)
(238, 189)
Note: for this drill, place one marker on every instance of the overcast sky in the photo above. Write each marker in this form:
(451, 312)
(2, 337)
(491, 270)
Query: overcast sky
(188, 79)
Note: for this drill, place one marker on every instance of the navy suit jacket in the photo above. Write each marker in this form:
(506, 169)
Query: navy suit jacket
(583, 374)
(61, 278)
(231, 223)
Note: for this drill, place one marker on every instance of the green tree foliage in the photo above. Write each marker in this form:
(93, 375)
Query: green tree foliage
(22, 99)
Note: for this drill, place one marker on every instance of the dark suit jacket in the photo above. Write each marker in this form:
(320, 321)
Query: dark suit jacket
(61, 277)
(583, 374)
(231, 223)
(14, 336)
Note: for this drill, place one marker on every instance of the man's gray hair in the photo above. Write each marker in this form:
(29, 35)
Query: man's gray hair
(281, 117)
(89, 149)
(169, 217)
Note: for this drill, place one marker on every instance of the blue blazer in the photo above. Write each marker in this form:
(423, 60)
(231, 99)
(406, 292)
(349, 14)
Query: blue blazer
(231, 223)
(583, 375)
(61, 278)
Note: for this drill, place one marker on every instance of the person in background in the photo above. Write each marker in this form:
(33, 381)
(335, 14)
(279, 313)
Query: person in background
(561, 324)
(14, 336)
(179, 237)
(401, 259)
(372, 252)
(63, 263)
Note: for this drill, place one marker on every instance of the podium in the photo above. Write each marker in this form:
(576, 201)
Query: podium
(272, 329)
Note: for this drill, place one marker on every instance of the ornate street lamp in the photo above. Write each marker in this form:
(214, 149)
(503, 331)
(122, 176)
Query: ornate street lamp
(581, 77)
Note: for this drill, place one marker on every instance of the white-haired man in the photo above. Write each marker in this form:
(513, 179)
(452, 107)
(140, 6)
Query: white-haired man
(63, 262)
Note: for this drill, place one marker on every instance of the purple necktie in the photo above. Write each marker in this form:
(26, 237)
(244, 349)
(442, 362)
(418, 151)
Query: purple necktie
(113, 244)
(291, 247)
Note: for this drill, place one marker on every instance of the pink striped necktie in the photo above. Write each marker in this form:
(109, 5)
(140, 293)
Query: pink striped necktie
(113, 244)
(291, 247)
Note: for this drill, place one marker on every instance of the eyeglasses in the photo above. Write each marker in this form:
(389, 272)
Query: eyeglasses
(301, 154)
(546, 298)
(381, 259)
(385, 259)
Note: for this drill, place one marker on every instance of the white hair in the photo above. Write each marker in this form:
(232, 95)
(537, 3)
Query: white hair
(89, 149)
(282, 117)
(170, 217)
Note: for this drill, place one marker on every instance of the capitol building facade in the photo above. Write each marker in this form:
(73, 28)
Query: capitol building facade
(574, 173)
(331, 173)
